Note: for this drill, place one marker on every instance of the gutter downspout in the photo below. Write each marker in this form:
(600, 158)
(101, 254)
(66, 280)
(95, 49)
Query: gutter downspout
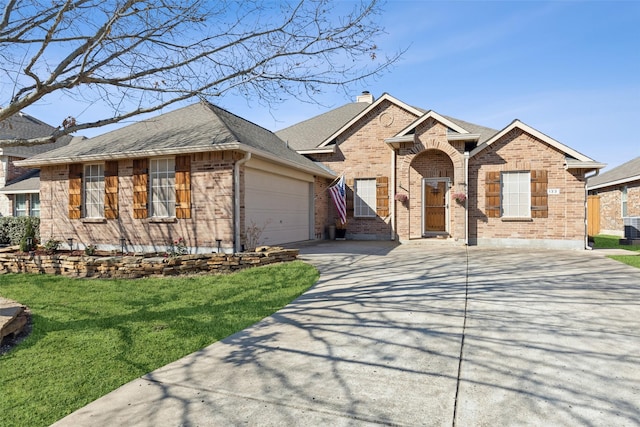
(393, 194)
(466, 200)
(586, 210)
(236, 201)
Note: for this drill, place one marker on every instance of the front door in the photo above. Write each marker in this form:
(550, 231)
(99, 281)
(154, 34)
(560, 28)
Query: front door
(435, 206)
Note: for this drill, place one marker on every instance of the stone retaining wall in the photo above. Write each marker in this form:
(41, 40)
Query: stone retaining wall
(139, 265)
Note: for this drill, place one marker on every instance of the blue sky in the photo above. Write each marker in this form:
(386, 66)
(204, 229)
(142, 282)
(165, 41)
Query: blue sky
(570, 69)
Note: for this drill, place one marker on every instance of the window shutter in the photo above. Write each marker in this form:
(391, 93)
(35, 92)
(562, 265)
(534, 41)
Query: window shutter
(140, 188)
(111, 190)
(492, 194)
(539, 197)
(183, 187)
(75, 191)
(382, 196)
(348, 194)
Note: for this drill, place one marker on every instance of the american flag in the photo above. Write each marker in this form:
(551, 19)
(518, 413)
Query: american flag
(339, 199)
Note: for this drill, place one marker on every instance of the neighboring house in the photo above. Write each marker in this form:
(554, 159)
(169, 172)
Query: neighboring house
(198, 173)
(618, 194)
(19, 186)
(514, 187)
(205, 175)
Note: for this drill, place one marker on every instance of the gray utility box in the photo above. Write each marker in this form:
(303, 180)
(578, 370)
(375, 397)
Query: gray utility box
(631, 231)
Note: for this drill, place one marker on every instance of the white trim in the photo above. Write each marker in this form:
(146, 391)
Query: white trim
(384, 97)
(577, 164)
(397, 141)
(616, 182)
(463, 137)
(535, 133)
(438, 117)
(318, 150)
(19, 191)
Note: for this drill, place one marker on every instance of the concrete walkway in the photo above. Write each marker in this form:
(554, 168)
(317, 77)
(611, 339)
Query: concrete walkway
(546, 338)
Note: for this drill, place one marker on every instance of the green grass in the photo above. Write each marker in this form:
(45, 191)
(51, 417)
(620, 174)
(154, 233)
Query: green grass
(604, 241)
(91, 336)
(632, 260)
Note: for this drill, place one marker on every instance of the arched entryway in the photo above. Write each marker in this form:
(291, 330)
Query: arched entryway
(431, 176)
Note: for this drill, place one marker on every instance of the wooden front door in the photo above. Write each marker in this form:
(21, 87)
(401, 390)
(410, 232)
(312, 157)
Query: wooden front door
(434, 202)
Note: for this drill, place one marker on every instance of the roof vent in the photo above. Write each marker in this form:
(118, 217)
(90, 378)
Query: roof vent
(365, 97)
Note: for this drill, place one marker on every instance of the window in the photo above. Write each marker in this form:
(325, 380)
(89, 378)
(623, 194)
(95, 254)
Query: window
(364, 198)
(20, 205)
(516, 194)
(624, 197)
(26, 204)
(34, 205)
(93, 191)
(162, 187)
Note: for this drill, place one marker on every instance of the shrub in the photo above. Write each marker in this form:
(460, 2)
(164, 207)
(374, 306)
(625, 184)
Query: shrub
(52, 245)
(13, 229)
(28, 240)
(177, 248)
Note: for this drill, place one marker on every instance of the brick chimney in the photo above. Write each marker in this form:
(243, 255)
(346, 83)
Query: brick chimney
(365, 97)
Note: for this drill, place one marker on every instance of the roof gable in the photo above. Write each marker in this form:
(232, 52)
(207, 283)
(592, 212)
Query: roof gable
(517, 124)
(310, 133)
(432, 115)
(385, 97)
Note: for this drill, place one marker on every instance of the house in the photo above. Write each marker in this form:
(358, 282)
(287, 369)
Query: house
(219, 181)
(617, 198)
(199, 173)
(19, 186)
(414, 173)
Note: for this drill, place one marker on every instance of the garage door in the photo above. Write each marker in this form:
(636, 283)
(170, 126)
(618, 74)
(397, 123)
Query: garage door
(279, 204)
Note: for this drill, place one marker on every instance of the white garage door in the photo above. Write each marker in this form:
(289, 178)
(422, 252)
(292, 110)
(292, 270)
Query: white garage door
(279, 204)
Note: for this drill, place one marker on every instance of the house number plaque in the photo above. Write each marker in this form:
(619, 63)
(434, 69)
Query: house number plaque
(553, 191)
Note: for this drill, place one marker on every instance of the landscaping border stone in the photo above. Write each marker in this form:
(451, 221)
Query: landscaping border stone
(140, 265)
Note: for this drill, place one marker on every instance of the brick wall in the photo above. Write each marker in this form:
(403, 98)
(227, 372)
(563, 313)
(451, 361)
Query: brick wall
(430, 156)
(322, 206)
(362, 153)
(211, 216)
(611, 221)
(519, 151)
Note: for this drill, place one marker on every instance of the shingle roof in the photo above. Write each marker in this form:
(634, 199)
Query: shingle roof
(626, 172)
(26, 183)
(310, 133)
(197, 127)
(24, 126)
(484, 132)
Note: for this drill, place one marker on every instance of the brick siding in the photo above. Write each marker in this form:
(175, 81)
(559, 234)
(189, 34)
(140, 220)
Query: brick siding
(211, 218)
(519, 151)
(611, 221)
(362, 153)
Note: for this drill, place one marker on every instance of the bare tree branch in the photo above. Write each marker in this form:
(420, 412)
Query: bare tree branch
(139, 56)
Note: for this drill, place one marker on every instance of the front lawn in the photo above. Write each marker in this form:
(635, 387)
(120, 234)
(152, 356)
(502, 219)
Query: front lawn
(90, 336)
(604, 241)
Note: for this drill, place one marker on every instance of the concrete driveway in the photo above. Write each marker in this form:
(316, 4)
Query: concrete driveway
(415, 335)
